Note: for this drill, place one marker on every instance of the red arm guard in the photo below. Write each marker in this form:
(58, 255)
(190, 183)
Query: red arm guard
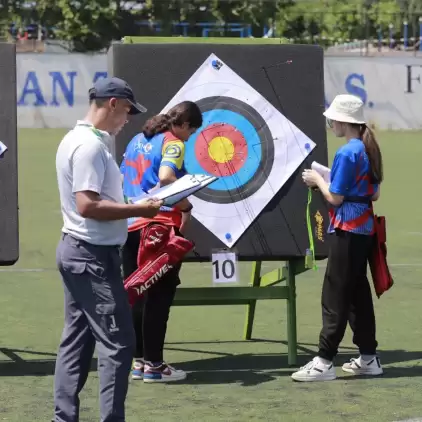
(159, 250)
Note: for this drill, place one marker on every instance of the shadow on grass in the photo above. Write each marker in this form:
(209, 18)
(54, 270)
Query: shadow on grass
(254, 369)
(246, 369)
(245, 378)
(19, 367)
(393, 372)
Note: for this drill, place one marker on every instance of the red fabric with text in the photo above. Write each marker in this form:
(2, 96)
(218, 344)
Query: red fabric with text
(381, 275)
(160, 248)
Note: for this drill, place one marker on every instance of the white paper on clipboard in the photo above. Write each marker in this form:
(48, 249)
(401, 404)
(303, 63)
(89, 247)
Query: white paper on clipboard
(203, 181)
(178, 190)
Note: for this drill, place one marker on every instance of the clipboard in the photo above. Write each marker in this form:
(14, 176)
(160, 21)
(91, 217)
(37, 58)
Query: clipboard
(178, 190)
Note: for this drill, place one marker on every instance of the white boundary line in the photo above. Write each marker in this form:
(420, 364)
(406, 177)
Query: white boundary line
(26, 270)
(411, 420)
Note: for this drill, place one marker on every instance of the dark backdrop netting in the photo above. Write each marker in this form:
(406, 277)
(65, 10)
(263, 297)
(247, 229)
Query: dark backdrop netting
(9, 236)
(156, 72)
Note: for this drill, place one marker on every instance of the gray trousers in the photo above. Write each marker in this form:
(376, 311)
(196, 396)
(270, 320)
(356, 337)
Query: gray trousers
(97, 313)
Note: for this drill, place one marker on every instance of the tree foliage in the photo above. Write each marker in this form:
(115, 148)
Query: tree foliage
(10, 12)
(385, 13)
(339, 20)
(90, 25)
(254, 12)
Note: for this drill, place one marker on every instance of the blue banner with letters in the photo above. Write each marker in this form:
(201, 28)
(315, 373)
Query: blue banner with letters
(52, 89)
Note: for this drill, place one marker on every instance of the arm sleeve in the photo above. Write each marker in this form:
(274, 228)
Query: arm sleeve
(89, 166)
(342, 174)
(173, 155)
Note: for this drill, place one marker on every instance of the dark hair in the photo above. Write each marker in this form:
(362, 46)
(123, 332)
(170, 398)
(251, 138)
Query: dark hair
(184, 112)
(374, 154)
(99, 102)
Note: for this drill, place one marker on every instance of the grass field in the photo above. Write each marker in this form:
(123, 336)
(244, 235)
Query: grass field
(229, 379)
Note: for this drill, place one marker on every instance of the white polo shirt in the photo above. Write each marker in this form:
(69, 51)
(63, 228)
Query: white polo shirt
(84, 162)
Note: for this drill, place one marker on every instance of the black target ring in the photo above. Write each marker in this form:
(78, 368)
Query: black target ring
(266, 144)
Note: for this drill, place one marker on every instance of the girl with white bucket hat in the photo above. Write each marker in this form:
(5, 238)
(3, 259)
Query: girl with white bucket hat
(356, 175)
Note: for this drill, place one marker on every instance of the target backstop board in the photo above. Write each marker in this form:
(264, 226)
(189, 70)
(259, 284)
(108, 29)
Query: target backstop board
(262, 107)
(9, 237)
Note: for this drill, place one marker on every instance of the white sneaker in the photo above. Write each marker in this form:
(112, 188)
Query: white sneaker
(315, 370)
(162, 373)
(361, 367)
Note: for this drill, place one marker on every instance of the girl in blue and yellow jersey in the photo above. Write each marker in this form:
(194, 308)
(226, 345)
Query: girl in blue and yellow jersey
(356, 175)
(152, 159)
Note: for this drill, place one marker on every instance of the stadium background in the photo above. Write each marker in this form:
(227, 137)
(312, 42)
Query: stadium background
(376, 57)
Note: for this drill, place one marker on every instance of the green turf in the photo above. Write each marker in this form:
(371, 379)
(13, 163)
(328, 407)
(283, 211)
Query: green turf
(230, 379)
(202, 40)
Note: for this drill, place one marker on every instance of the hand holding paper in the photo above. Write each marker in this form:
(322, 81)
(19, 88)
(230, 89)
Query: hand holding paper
(148, 207)
(312, 177)
(325, 172)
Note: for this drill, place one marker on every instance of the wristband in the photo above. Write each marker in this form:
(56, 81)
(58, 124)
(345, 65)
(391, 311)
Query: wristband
(187, 209)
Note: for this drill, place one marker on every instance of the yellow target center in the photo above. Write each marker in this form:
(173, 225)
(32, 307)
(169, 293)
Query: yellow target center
(221, 149)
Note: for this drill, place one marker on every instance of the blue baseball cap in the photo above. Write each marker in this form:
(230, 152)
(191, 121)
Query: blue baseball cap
(116, 88)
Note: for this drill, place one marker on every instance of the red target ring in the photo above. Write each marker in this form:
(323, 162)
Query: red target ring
(221, 149)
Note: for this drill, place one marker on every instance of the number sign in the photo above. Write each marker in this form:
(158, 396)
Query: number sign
(224, 267)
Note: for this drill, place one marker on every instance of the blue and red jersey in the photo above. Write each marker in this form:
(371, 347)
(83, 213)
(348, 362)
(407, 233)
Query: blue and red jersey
(350, 177)
(140, 167)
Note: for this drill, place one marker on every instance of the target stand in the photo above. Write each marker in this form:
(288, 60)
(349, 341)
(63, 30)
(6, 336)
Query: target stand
(262, 105)
(262, 287)
(9, 207)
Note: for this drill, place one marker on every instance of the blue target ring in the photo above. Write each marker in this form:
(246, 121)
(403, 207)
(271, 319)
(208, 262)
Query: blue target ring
(258, 162)
(254, 156)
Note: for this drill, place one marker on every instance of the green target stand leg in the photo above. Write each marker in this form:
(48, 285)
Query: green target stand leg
(250, 313)
(291, 314)
(288, 274)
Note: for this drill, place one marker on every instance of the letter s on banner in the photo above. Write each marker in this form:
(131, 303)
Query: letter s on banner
(356, 90)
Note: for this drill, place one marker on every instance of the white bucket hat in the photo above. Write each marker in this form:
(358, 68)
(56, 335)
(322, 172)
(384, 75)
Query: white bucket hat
(346, 108)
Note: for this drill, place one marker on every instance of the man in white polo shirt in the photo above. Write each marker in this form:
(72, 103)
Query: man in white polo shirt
(97, 311)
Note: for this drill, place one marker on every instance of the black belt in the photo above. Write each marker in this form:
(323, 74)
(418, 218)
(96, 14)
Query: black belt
(358, 199)
(87, 243)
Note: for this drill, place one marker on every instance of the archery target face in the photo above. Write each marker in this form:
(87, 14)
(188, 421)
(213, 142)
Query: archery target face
(234, 144)
(245, 141)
